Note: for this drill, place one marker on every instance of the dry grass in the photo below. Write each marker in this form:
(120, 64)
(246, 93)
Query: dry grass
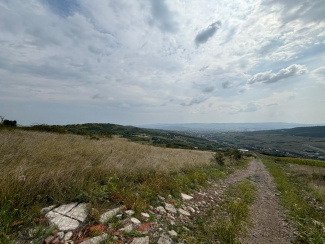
(38, 169)
(33, 160)
(312, 178)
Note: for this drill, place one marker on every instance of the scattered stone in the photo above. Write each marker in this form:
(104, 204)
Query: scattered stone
(47, 209)
(172, 233)
(145, 215)
(127, 228)
(110, 214)
(63, 209)
(182, 211)
(186, 197)
(68, 236)
(170, 208)
(185, 228)
(129, 212)
(119, 216)
(161, 198)
(79, 212)
(115, 238)
(62, 222)
(164, 239)
(96, 240)
(191, 209)
(60, 235)
(172, 222)
(48, 240)
(135, 221)
(161, 209)
(141, 240)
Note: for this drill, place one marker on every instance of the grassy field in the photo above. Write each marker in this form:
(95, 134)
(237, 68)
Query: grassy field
(302, 190)
(302, 161)
(38, 169)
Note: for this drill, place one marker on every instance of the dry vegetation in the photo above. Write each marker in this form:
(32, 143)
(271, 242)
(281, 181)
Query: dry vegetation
(38, 169)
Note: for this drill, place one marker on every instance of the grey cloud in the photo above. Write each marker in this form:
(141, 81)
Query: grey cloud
(227, 84)
(62, 7)
(206, 34)
(162, 16)
(195, 100)
(208, 89)
(269, 77)
(308, 11)
(94, 49)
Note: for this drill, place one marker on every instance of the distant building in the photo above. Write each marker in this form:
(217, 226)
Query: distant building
(243, 150)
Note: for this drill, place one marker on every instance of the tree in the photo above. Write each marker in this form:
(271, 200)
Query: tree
(9, 123)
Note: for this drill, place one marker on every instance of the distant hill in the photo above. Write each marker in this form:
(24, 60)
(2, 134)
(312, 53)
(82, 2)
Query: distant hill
(224, 127)
(146, 136)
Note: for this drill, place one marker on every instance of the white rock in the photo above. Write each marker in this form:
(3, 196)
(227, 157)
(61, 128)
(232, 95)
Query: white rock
(145, 215)
(172, 222)
(191, 209)
(164, 239)
(135, 221)
(60, 235)
(129, 212)
(141, 240)
(67, 236)
(172, 233)
(63, 209)
(161, 209)
(79, 212)
(186, 197)
(185, 228)
(127, 228)
(182, 211)
(161, 198)
(170, 208)
(47, 209)
(63, 223)
(110, 214)
(96, 240)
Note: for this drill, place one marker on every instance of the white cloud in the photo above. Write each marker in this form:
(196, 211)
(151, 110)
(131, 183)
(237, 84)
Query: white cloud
(270, 77)
(146, 54)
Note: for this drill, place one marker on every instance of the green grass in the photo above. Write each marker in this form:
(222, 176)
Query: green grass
(302, 161)
(308, 219)
(223, 224)
(38, 169)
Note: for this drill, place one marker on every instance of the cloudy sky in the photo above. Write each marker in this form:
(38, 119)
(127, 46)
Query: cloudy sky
(162, 61)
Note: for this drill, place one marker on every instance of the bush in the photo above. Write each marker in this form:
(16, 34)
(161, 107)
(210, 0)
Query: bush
(9, 123)
(219, 157)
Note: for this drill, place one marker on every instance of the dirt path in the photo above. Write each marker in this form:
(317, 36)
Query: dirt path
(269, 225)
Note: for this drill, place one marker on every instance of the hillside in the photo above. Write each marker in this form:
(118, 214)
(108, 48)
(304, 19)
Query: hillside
(145, 136)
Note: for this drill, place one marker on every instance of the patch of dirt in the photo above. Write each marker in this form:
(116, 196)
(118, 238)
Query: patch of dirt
(267, 217)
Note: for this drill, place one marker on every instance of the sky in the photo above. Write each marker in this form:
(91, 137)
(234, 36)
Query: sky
(162, 61)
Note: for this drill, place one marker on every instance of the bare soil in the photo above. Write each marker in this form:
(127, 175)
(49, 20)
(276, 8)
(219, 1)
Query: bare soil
(269, 225)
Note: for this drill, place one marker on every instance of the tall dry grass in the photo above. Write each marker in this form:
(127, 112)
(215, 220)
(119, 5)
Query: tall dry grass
(37, 166)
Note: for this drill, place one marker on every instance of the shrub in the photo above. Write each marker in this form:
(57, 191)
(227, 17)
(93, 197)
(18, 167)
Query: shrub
(219, 157)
